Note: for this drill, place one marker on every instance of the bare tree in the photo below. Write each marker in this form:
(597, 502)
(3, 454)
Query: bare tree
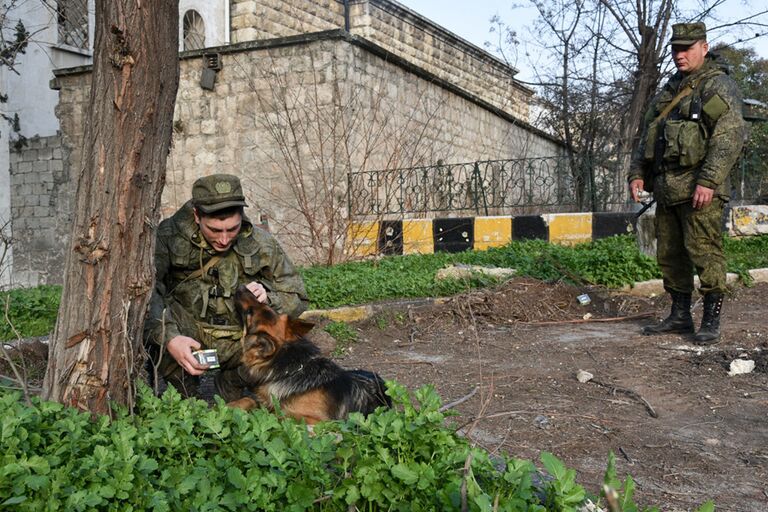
(608, 87)
(109, 274)
(316, 130)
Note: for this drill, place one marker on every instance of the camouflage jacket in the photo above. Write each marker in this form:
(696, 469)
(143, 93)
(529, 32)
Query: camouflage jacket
(181, 302)
(702, 137)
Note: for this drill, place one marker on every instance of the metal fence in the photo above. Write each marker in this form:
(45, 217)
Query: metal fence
(485, 187)
(503, 187)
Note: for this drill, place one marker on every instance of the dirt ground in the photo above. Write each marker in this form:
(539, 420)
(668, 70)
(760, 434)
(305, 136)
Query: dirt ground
(507, 359)
(678, 423)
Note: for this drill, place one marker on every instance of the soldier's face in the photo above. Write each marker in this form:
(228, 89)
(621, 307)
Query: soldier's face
(689, 58)
(220, 233)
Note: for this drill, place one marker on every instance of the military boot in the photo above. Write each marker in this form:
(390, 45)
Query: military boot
(709, 334)
(679, 319)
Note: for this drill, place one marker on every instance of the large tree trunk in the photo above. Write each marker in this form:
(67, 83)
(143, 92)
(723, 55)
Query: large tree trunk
(94, 353)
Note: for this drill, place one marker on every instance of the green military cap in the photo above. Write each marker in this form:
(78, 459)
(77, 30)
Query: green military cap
(216, 192)
(685, 34)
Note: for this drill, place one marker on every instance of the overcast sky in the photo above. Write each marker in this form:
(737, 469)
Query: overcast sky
(470, 19)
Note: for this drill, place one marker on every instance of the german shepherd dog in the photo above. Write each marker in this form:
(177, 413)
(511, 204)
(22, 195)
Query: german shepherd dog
(280, 363)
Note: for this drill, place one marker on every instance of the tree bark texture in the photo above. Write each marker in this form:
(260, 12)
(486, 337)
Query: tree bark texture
(95, 352)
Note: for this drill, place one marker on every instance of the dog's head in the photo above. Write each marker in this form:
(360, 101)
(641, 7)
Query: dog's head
(264, 330)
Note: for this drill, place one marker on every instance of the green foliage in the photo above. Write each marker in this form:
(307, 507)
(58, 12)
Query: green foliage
(32, 311)
(179, 455)
(746, 253)
(344, 335)
(625, 490)
(176, 454)
(563, 493)
(613, 262)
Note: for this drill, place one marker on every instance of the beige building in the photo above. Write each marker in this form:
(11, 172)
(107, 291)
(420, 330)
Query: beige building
(300, 94)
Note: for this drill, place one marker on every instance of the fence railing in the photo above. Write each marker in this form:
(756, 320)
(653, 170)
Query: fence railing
(503, 187)
(486, 188)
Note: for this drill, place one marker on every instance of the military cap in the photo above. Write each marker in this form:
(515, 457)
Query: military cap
(685, 34)
(216, 192)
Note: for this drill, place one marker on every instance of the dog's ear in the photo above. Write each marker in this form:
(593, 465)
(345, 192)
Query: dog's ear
(296, 328)
(266, 347)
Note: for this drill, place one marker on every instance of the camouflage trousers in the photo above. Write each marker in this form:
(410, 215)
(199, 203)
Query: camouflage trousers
(226, 341)
(689, 239)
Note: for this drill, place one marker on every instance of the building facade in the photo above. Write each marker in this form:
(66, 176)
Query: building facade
(292, 95)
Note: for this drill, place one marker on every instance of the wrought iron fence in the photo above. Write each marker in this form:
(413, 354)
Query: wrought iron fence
(496, 187)
(487, 187)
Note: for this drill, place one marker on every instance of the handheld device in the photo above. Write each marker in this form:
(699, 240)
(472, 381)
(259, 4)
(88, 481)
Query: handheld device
(207, 356)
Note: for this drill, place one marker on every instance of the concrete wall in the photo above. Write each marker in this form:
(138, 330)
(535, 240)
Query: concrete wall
(425, 236)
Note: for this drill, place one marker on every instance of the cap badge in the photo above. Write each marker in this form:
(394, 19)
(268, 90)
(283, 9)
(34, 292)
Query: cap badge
(223, 187)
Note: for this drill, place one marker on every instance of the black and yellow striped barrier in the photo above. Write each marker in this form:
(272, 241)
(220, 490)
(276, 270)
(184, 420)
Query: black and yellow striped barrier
(425, 236)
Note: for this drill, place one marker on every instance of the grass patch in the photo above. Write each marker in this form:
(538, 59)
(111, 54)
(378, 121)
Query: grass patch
(344, 335)
(31, 311)
(612, 262)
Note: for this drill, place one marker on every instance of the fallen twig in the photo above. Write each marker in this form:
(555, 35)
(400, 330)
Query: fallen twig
(467, 465)
(460, 400)
(630, 393)
(626, 456)
(590, 320)
(512, 413)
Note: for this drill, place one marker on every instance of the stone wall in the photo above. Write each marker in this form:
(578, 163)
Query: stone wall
(257, 19)
(399, 30)
(293, 116)
(40, 206)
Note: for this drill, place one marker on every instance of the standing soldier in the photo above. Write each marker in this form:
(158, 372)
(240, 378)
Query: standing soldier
(204, 252)
(693, 134)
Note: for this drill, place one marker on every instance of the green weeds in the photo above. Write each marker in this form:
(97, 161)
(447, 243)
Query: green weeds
(344, 335)
(612, 262)
(31, 311)
(178, 455)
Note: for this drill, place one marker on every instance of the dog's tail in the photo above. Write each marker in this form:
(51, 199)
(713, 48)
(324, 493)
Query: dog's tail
(369, 392)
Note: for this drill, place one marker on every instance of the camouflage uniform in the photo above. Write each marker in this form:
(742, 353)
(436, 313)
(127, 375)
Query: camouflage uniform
(202, 307)
(698, 152)
(697, 143)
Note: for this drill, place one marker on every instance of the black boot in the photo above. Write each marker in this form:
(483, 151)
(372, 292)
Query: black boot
(709, 334)
(678, 321)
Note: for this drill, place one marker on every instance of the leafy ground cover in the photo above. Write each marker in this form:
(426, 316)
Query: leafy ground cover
(176, 454)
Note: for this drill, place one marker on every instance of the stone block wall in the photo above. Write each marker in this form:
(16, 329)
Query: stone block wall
(292, 117)
(40, 206)
(252, 19)
(429, 46)
(399, 30)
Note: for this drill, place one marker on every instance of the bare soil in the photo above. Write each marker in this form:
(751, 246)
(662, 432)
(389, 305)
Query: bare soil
(678, 423)
(506, 359)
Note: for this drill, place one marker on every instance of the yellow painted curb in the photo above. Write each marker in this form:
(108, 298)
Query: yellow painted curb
(343, 314)
(363, 238)
(569, 228)
(492, 232)
(417, 237)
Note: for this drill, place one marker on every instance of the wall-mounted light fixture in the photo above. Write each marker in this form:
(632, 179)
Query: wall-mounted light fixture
(211, 66)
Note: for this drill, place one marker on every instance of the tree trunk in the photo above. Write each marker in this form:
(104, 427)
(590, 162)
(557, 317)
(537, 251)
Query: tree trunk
(94, 356)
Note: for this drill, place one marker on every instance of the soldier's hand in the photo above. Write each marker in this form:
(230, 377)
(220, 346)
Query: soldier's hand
(181, 348)
(702, 196)
(258, 290)
(635, 188)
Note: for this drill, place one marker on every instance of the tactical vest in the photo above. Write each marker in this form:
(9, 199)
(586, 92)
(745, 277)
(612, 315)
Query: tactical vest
(203, 285)
(685, 132)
